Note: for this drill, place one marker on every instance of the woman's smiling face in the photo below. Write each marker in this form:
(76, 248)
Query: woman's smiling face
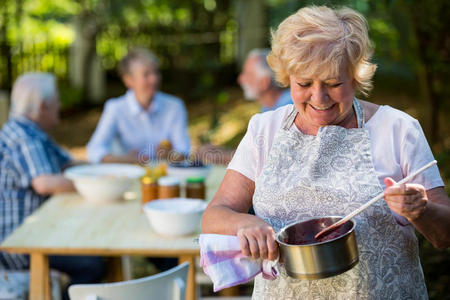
(322, 101)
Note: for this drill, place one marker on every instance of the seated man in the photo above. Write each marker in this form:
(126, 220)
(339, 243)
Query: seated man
(30, 170)
(144, 121)
(258, 82)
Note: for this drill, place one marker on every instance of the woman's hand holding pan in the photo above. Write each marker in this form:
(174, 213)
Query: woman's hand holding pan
(257, 240)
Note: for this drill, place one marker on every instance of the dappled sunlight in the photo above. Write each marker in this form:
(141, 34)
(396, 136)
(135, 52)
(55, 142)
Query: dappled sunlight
(234, 123)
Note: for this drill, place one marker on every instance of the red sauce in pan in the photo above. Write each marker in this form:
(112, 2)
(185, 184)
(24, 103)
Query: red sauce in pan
(303, 236)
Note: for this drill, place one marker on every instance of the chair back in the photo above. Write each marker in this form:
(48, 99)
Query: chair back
(168, 285)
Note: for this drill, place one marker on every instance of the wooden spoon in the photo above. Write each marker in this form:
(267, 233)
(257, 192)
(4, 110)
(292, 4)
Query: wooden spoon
(369, 203)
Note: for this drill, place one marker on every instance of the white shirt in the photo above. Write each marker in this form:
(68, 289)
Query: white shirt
(398, 146)
(125, 121)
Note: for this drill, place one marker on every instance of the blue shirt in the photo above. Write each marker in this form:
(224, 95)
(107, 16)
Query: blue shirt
(25, 153)
(125, 123)
(284, 99)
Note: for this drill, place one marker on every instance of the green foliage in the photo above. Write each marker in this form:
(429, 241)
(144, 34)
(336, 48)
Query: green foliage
(435, 264)
(37, 37)
(222, 98)
(443, 159)
(192, 37)
(281, 9)
(70, 96)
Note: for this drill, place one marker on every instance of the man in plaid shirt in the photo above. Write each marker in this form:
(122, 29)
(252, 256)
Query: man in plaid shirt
(30, 170)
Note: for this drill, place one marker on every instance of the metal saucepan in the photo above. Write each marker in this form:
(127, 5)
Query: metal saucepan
(305, 257)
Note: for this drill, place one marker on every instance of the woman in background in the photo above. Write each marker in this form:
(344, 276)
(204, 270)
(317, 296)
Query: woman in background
(144, 123)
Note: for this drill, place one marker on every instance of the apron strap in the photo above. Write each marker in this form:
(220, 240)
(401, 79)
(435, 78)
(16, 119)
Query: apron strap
(356, 105)
(359, 113)
(290, 118)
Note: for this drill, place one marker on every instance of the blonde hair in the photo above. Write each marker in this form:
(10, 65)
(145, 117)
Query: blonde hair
(137, 54)
(319, 40)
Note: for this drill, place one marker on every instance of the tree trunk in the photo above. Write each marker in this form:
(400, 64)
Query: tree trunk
(405, 19)
(86, 72)
(252, 31)
(435, 103)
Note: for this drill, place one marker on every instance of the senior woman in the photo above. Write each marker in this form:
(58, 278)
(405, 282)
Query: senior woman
(327, 154)
(144, 123)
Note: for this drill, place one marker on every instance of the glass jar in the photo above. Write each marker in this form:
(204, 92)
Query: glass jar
(168, 187)
(195, 188)
(149, 188)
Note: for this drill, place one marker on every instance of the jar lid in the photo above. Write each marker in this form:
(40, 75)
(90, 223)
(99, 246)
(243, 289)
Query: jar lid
(148, 180)
(195, 180)
(168, 181)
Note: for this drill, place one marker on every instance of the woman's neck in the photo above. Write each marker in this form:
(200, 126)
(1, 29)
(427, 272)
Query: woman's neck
(144, 101)
(349, 121)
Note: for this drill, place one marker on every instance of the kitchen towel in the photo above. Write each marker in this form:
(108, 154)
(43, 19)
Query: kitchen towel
(222, 260)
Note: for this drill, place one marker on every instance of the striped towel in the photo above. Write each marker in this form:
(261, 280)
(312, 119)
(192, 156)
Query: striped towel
(223, 261)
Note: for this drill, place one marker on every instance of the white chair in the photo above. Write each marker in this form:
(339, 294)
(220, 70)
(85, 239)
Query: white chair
(168, 285)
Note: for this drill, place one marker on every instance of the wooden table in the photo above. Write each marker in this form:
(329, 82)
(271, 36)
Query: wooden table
(69, 225)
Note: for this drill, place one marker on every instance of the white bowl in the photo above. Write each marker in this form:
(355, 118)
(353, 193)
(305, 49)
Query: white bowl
(104, 182)
(184, 173)
(175, 216)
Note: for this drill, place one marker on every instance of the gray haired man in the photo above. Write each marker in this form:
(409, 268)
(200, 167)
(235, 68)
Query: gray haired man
(30, 171)
(258, 82)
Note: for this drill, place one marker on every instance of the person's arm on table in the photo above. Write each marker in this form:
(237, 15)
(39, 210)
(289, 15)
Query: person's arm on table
(50, 184)
(428, 211)
(131, 158)
(227, 214)
(41, 170)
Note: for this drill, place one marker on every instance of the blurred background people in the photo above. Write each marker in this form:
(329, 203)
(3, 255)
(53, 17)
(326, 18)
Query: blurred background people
(257, 80)
(144, 122)
(30, 170)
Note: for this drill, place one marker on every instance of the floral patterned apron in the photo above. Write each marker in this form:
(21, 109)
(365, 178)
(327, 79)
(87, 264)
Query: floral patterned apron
(328, 174)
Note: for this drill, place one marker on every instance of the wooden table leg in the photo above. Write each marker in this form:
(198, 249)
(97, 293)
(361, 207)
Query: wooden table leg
(191, 287)
(39, 277)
